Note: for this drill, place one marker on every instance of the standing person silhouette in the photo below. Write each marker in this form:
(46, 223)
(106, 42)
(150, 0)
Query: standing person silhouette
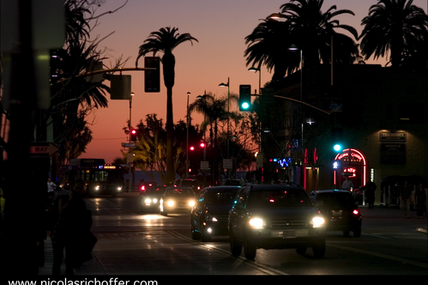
(74, 221)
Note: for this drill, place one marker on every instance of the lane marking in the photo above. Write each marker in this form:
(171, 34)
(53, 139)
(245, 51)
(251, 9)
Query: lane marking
(402, 260)
(239, 260)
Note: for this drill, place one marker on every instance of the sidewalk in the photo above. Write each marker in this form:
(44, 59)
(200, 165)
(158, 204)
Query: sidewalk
(378, 212)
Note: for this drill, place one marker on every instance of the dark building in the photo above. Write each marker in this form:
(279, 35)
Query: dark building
(378, 114)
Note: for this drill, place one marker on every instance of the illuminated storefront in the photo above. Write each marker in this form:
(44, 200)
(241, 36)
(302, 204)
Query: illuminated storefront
(350, 163)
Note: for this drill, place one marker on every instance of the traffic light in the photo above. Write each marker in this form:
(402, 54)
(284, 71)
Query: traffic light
(134, 134)
(244, 97)
(152, 77)
(337, 139)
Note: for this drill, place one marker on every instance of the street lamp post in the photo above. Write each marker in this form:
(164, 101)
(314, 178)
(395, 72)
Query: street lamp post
(257, 69)
(294, 48)
(228, 121)
(130, 140)
(187, 135)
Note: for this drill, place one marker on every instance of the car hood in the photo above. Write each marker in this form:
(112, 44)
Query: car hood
(288, 213)
(217, 209)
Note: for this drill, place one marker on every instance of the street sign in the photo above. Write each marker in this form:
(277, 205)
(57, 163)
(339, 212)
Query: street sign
(205, 165)
(43, 149)
(128, 144)
(227, 163)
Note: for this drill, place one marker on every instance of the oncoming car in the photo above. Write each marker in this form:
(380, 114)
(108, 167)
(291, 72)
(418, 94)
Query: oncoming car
(275, 217)
(176, 200)
(109, 187)
(209, 216)
(149, 199)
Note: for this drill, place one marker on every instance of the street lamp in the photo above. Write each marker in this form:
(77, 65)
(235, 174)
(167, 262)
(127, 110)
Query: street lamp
(187, 135)
(294, 48)
(228, 94)
(257, 69)
(130, 140)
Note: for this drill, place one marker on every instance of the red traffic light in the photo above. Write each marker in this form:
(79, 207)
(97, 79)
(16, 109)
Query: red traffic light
(133, 134)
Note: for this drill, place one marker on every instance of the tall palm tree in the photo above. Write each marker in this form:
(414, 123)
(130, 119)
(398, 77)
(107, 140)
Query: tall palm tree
(267, 45)
(306, 26)
(395, 26)
(314, 30)
(165, 40)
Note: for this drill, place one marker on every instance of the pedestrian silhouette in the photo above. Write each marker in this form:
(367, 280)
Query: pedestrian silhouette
(72, 231)
(405, 193)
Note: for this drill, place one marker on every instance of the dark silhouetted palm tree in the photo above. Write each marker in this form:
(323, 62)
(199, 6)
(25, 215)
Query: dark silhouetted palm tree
(313, 31)
(396, 28)
(165, 40)
(303, 24)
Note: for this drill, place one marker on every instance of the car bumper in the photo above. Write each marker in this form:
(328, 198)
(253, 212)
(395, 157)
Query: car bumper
(286, 238)
(340, 225)
(216, 228)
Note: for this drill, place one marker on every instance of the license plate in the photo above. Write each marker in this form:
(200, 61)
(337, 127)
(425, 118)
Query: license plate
(289, 234)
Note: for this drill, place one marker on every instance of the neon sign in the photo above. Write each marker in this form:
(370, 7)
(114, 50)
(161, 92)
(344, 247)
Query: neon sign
(358, 156)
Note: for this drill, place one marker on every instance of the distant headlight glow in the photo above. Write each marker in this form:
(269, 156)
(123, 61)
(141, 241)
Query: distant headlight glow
(191, 203)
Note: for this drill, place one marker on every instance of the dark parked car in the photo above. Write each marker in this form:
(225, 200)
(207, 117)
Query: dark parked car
(275, 217)
(209, 216)
(176, 200)
(340, 210)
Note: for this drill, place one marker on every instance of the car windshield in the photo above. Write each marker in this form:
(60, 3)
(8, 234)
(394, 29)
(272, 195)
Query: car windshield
(336, 199)
(189, 183)
(279, 198)
(180, 192)
(224, 197)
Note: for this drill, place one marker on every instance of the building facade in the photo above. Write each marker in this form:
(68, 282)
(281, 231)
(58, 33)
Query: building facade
(378, 114)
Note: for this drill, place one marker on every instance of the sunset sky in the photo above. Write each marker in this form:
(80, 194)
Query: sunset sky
(220, 27)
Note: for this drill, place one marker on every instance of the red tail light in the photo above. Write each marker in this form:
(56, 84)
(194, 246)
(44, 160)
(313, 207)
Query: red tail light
(355, 212)
(143, 188)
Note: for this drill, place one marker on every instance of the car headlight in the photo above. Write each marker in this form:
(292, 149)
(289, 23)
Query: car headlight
(155, 200)
(211, 218)
(317, 222)
(147, 200)
(97, 188)
(191, 203)
(170, 203)
(119, 188)
(256, 223)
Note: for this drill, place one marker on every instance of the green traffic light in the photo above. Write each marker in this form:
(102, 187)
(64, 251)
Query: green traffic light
(337, 147)
(245, 105)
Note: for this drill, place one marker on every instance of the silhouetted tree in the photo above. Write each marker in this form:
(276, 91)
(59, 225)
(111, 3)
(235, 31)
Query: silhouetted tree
(166, 40)
(303, 24)
(397, 27)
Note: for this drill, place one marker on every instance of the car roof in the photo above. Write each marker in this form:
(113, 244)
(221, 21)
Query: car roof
(223, 187)
(331, 191)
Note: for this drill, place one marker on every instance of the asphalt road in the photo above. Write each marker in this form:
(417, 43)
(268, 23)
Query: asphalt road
(148, 244)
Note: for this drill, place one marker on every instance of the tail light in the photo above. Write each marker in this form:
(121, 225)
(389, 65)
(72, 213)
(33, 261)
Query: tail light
(355, 212)
(143, 188)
